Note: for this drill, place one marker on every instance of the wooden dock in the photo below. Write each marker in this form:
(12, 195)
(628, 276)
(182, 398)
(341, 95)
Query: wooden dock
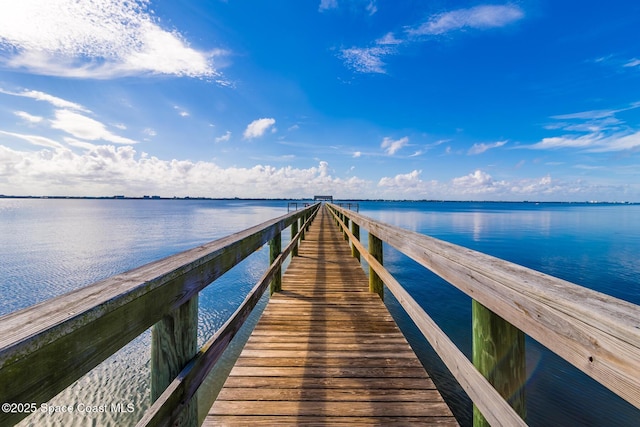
(327, 352)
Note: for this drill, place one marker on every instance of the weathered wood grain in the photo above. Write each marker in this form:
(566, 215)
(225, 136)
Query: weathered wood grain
(491, 404)
(46, 347)
(327, 352)
(597, 333)
(177, 399)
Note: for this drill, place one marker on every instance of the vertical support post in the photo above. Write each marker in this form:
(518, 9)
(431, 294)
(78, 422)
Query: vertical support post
(174, 341)
(294, 231)
(346, 227)
(275, 248)
(355, 230)
(302, 221)
(499, 355)
(375, 282)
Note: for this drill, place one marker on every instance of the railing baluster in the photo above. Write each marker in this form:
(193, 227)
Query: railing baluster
(275, 248)
(355, 230)
(346, 225)
(375, 282)
(294, 231)
(174, 342)
(499, 355)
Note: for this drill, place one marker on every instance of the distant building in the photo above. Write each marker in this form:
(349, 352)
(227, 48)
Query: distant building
(323, 198)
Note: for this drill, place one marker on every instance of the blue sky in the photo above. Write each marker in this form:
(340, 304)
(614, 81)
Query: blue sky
(458, 100)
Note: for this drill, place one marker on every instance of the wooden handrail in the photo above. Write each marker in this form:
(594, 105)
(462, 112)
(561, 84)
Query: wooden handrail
(46, 347)
(168, 407)
(597, 333)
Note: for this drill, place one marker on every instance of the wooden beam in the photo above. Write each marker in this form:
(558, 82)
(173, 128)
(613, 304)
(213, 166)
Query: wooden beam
(168, 408)
(375, 282)
(275, 247)
(499, 355)
(355, 230)
(46, 347)
(597, 333)
(174, 342)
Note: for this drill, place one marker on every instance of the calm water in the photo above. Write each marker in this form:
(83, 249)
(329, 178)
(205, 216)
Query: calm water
(49, 247)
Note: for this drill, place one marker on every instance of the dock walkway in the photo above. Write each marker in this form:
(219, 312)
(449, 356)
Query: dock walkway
(327, 352)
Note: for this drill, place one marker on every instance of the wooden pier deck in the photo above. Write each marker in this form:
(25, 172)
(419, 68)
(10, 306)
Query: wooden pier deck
(327, 352)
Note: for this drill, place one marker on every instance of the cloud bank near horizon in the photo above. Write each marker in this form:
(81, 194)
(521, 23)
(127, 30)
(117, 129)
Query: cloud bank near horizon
(86, 157)
(105, 170)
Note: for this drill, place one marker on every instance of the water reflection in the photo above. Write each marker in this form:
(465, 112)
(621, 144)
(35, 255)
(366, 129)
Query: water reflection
(593, 246)
(50, 247)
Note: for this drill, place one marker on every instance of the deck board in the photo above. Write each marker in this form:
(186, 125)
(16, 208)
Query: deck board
(327, 352)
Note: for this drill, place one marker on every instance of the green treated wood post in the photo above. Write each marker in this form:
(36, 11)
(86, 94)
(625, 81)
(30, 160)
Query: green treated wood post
(174, 342)
(275, 248)
(302, 220)
(355, 230)
(499, 354)
(294, 231)
(346, 225)
(375, 282)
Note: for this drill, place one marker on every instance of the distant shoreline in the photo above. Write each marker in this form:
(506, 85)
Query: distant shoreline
(121, 197)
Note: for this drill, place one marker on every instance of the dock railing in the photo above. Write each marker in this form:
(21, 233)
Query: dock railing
(597, 333)
(46, 347)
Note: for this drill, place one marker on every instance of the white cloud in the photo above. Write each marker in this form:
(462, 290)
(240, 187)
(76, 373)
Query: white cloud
(182, 112)
(327, 4)
(370, 59)
(366, 60)
(34, 139)
(224, 138)
(479, 185)
(42, 96)
(481, 148)
(80, 144)
(405, 182)
(392, 146)
(595, 131)
(478, 181)
(478, 17)
(357, 154)
(633, 63)
(371, 7)
(107, 170)
(258, 127)
(95, 39)
(592, 114)
(84, 127)
(101, 170)
(389, 39)
(28, 117)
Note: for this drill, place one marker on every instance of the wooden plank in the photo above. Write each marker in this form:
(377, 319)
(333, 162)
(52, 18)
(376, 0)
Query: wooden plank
(332, 408)
(493, 407)
(46, 347)
(597, 333)
(297, 420)
(336, 361)
(372, 383)
(327, 351)
(170, 407)
(343, 394)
